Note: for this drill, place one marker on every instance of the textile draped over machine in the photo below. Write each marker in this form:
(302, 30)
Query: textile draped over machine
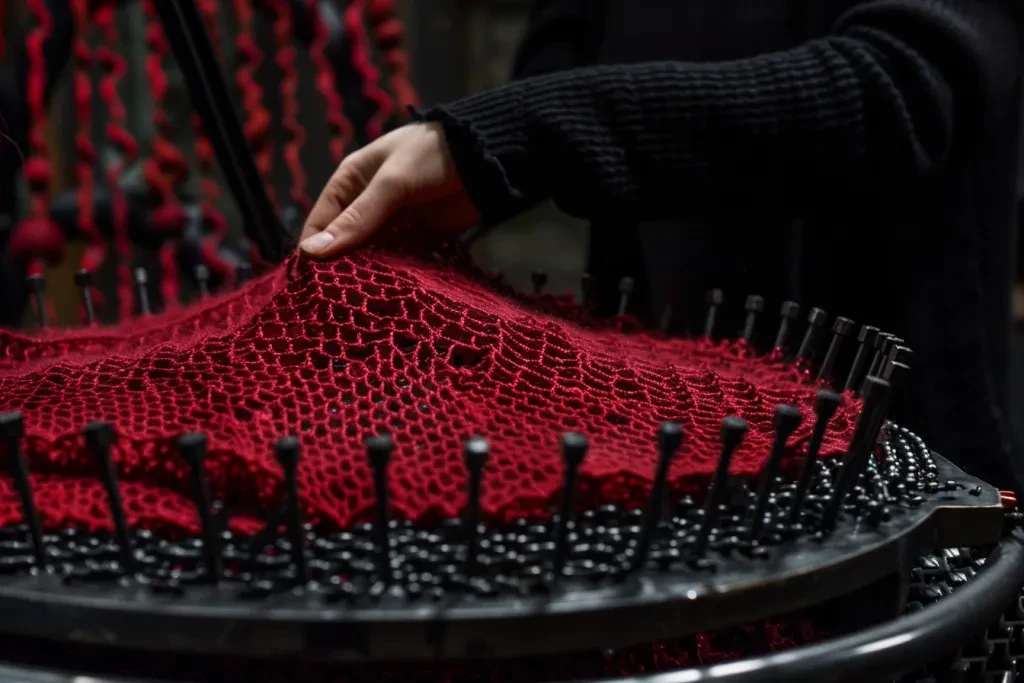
(393, 466)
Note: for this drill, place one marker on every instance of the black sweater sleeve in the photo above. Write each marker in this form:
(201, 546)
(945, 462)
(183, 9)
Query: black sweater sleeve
(884, 100)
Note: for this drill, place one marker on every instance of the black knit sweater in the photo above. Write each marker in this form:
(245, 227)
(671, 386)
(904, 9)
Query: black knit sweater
(884, 129)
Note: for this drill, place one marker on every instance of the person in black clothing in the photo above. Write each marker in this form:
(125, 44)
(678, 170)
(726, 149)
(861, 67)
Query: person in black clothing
(857, 155)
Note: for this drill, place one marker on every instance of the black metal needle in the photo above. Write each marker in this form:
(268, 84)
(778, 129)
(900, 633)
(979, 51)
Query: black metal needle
(842, 328)
(12, 430)
(754, 306)
(574, 449)
(789, 314)
(877, 393)
(824, 408)
(288, 453)
(379, 450)
(99, 436)
(865, 348)
(475, 454)
(787, 419)
(83, 280)
(715, 299)
(733, 431)
(192, 449)
(670, 438)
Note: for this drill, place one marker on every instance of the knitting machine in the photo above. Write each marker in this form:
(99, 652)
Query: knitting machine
(392, 467)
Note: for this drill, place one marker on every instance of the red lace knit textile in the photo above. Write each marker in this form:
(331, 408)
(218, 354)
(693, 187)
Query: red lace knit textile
(378, 341)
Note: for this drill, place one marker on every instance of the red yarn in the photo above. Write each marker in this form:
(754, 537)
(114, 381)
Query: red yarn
(95, 253)
(215, 227)
(115, 67)
(38, 174)
(37, 238)
(48, 244)
(389, 32)
(168, 168)
(362, 61)
(379, 341)
(257, 122)
(295, 133)
(339, 126)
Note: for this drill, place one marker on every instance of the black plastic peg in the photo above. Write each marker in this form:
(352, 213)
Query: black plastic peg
(787, 419)
(142, 291)
(475, 454)
(754, 306)
(825, 407)
(574, 449)
(670, 439)
(378, 451)
(626, 286)
(12, 430)
(865, 349)
(99, 437)
(842, 329)
(788, 314)
(539, 280)
(243, 272)
(192, 449)
(882, 342)
(816, 320)
(734, 429)
(84, 282)
(288, 452)
(586, 289)
(202, 275)
(714, 300)
(877, 393)
(37, 283)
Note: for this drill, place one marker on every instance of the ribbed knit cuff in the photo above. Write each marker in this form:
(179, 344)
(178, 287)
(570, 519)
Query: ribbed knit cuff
(486, 138)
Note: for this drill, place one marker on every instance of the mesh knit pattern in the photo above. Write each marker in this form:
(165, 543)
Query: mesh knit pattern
(382, 340)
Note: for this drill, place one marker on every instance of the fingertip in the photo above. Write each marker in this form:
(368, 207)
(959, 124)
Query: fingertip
(318, 245)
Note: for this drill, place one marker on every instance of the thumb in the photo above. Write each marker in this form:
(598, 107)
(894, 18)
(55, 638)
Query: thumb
(359, 220)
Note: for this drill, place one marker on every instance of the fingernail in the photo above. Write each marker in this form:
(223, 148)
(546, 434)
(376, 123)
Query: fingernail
(317, 243)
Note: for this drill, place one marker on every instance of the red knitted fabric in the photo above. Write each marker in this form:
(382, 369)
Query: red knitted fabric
(380, 340)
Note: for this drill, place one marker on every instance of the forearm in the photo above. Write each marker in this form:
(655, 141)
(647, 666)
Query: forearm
(885, 99)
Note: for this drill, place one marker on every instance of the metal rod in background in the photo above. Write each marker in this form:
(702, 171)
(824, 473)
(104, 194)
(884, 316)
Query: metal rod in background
(209, 93)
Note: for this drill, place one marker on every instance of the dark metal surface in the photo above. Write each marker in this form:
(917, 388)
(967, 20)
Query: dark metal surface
(650, 606)
(884, 651)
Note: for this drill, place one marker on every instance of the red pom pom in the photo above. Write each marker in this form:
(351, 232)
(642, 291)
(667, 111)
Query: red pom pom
(38, 173)
(37, 238)
(169, 220)
(380, 10)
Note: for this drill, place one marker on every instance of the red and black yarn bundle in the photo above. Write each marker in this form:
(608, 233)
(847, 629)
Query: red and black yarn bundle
(103, 213)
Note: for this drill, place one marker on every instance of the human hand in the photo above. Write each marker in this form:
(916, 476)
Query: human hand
(406, 176)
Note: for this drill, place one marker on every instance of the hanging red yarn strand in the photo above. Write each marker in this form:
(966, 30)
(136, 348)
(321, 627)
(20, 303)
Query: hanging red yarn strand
(337, 123)
(389, 33)
(115, 67)
(257, 122)
(362, 60)
(214, 223)
(167, 168)
(294, 132)
(95, 253)
(37, 239)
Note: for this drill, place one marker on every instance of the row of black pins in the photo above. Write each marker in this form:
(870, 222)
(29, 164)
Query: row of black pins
(84, 282)
(192, 447)
(872, 344)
